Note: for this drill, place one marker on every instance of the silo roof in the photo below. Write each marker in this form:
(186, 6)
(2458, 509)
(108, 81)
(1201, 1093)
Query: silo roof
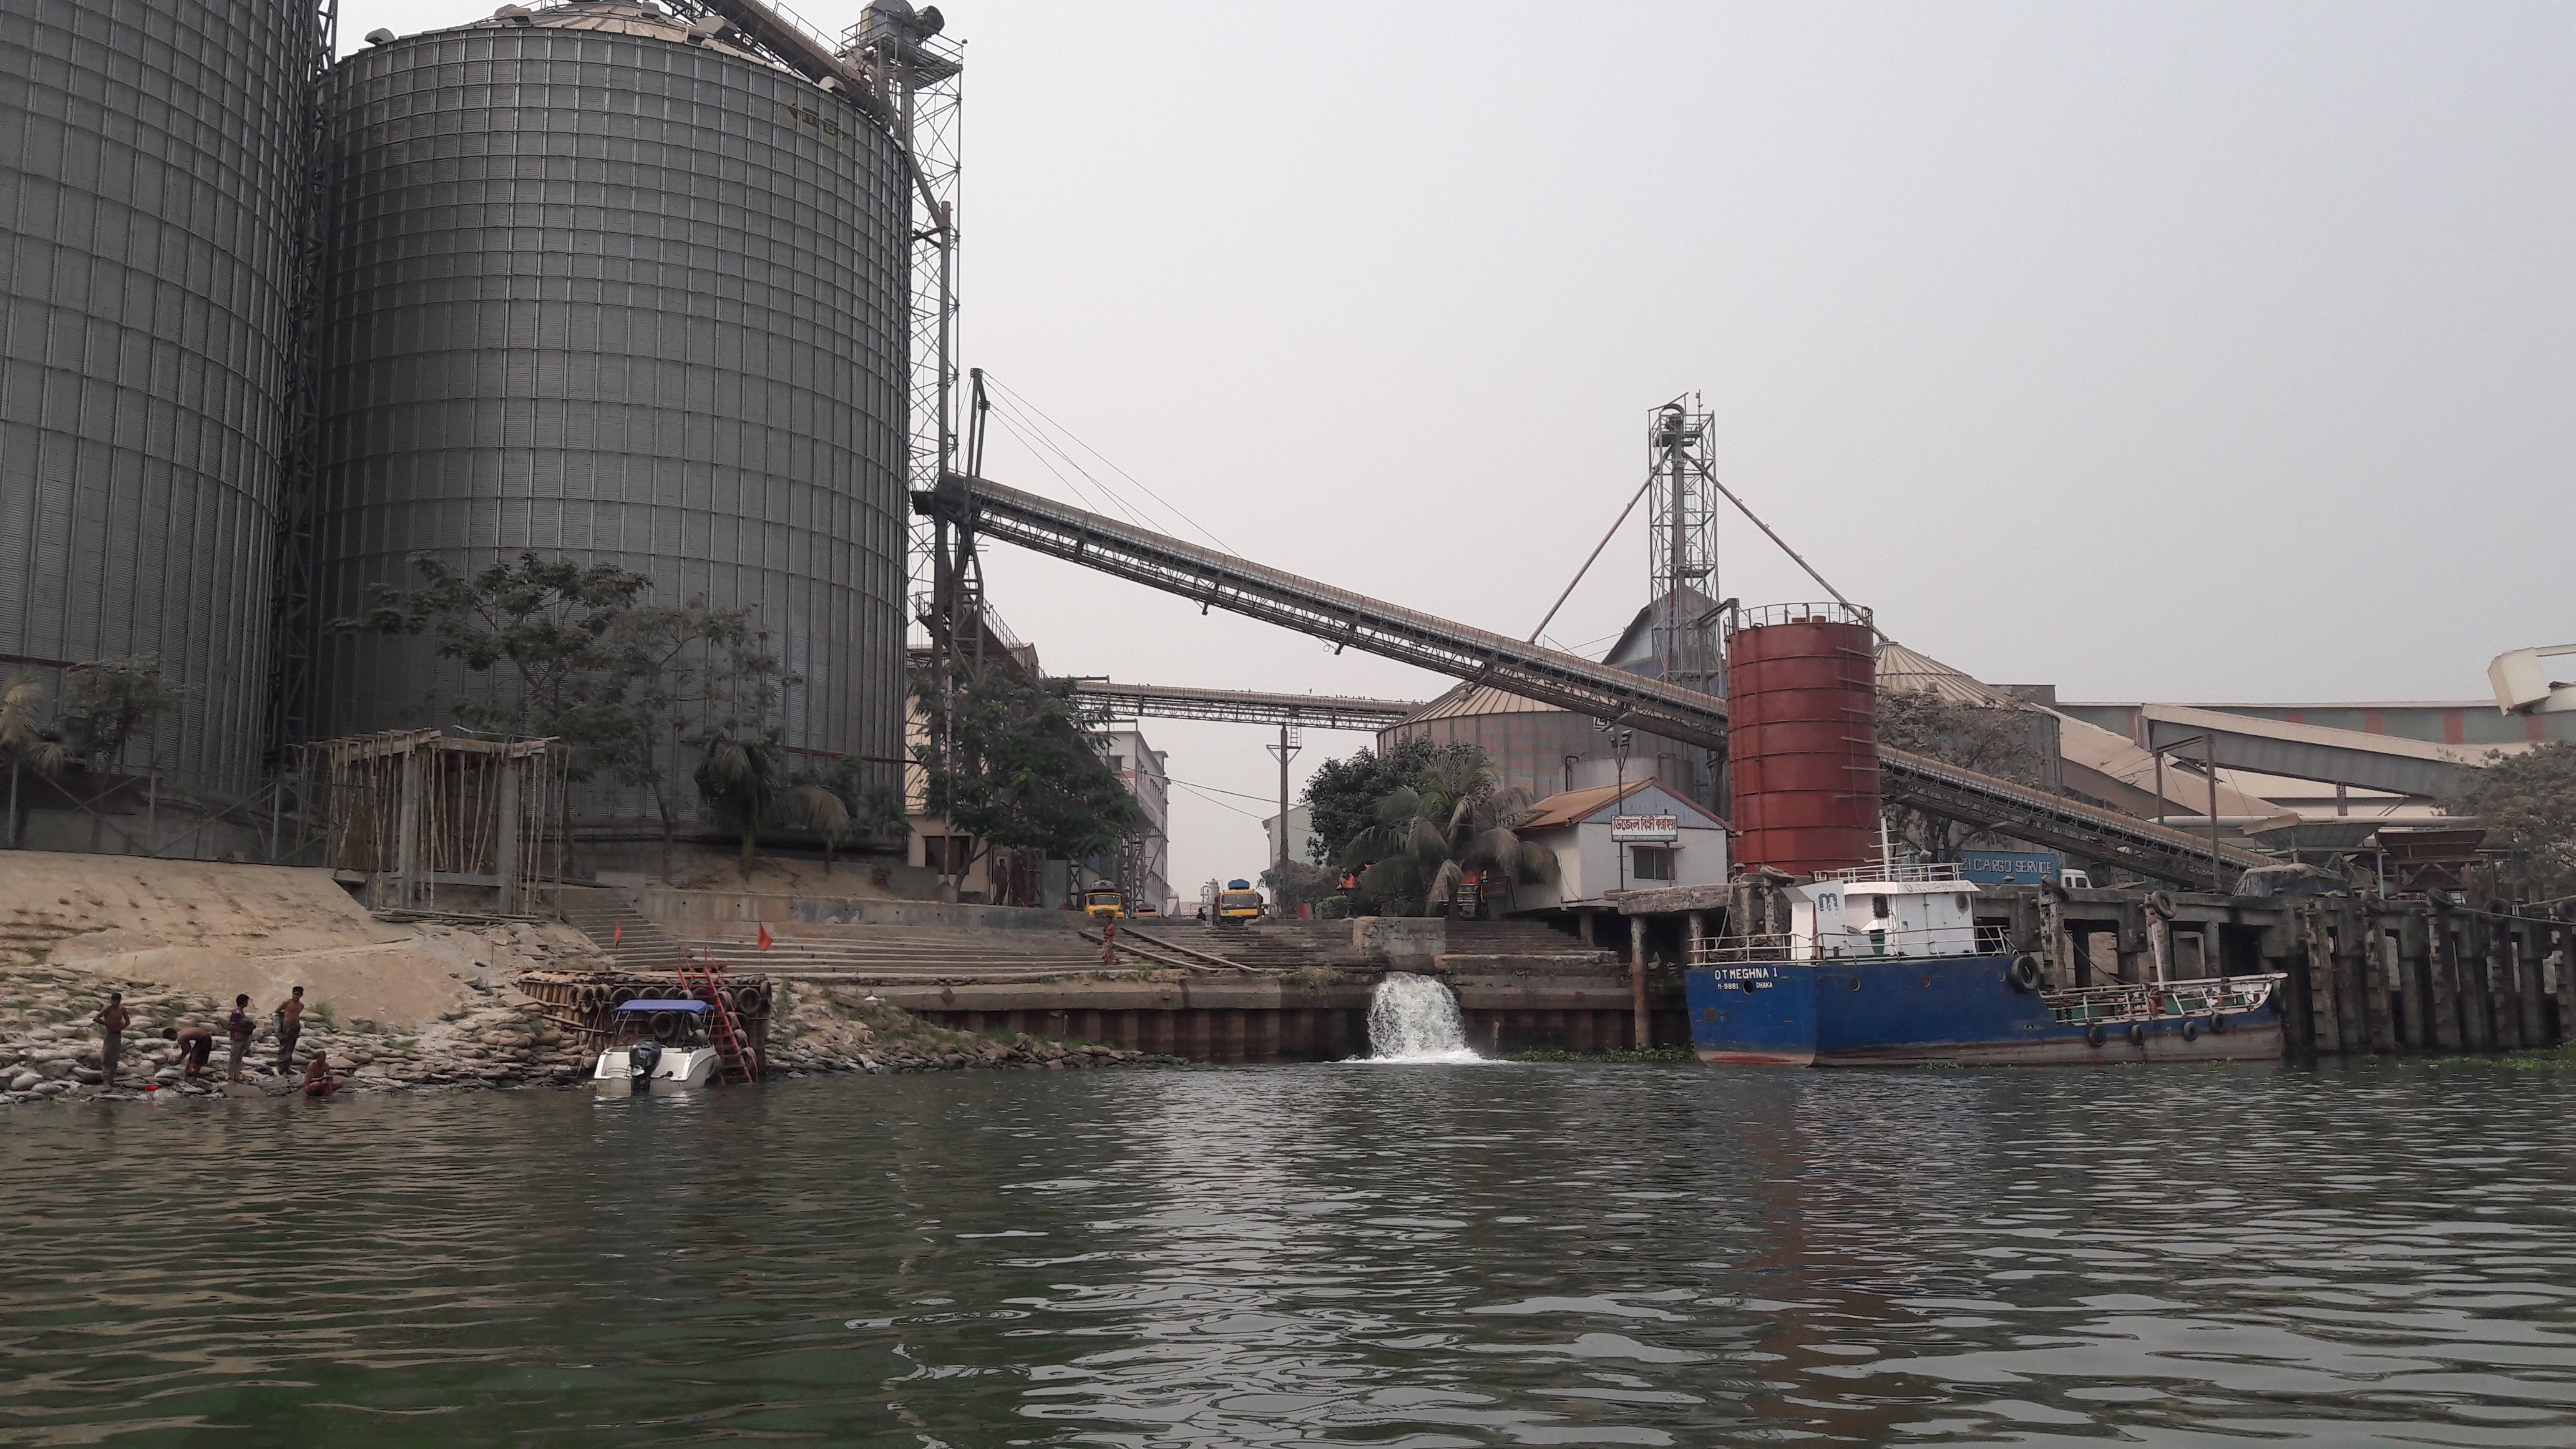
(1477, 699)
(619, 17)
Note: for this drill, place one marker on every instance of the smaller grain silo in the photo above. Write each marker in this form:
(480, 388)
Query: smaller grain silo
(1802, 737)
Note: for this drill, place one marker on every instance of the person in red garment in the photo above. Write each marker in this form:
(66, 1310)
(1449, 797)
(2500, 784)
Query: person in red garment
(318, 1081)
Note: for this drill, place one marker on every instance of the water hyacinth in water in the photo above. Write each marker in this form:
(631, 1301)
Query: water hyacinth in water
(1415, 1019)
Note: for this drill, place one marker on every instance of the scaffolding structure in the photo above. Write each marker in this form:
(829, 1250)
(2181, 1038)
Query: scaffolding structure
(428, 817)
(1681, 549)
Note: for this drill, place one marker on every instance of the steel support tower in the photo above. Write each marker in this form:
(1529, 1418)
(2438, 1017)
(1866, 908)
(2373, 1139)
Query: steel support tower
(1682, 545)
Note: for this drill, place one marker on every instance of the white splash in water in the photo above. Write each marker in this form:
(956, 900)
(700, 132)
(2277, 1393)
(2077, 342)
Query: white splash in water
(1415, 1019)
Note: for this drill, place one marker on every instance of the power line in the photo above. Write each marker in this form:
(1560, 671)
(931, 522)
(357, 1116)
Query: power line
(1112, 464)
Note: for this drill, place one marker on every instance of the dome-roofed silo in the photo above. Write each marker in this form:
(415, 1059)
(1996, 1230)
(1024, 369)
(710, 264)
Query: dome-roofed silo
(603, 286)
(148, 198)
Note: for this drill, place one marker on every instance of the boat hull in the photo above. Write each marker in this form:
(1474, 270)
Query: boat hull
(680, 1068)
(1955, 1011)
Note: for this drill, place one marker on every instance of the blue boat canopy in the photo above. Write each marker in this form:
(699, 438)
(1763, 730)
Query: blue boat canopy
(664, 1006)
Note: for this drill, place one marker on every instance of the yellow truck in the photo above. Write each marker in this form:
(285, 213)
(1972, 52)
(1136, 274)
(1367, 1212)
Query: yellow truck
(1104, 902)
(1238, 902)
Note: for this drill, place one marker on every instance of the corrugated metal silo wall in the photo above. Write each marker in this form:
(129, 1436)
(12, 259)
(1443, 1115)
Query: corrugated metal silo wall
(1529, 750)
(146, 204)
(623, 301)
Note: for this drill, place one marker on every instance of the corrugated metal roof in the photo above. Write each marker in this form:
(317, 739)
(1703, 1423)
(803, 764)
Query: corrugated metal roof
(1901, 670)
(1478, 699)
(1568, 806)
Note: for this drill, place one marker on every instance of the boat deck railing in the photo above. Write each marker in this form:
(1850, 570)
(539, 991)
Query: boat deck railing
(1901, 871)
(1919, 944)
(2151, 1002)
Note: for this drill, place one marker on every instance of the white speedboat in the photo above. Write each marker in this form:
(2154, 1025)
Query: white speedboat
(666, 1047)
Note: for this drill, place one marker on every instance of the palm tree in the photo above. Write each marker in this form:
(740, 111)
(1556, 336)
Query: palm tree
(22, 737)
(1430, 834)
(741, 783)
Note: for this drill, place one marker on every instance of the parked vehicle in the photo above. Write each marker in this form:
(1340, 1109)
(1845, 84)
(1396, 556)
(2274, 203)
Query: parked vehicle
(1239, 902)
(1104, 902)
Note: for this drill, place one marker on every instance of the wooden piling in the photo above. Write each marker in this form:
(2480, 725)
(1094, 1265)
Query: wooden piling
(1642, 1023)
(2379, 966)
(2443, 947)
(2317, 963)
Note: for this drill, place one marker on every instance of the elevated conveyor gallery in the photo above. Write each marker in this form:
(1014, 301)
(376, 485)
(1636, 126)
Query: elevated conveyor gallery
(1346, 619)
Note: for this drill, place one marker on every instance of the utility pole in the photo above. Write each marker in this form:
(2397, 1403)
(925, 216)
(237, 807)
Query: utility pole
(1286, 750)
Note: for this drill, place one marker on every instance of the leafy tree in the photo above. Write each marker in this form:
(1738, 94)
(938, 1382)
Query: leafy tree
(538, 633)
(1992, 739)
(1301, 884)
(1427, 836)
(574, 652)
(2527, 803)
(1012, 762)
(1343, 794)
(108, 704)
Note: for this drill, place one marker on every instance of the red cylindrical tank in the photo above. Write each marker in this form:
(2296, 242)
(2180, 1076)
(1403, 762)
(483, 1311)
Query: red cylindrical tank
(1802, 737)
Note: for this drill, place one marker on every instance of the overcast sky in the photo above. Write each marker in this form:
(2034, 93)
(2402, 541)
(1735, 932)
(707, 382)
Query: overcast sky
(2160, 351)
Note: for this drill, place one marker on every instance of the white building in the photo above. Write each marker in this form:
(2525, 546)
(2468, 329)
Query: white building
(1614, 838)
(1301, 836)
(1149, 873)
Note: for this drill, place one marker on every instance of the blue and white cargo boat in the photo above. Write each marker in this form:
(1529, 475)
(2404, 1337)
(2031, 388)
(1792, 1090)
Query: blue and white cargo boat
(1884, 966)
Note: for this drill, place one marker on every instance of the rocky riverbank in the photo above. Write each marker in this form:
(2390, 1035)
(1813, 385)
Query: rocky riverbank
(49, 1046)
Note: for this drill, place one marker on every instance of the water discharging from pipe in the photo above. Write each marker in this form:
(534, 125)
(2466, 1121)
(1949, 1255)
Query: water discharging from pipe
(1415, 1019)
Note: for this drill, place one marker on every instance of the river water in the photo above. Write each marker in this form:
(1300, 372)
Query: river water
(1385, 1256)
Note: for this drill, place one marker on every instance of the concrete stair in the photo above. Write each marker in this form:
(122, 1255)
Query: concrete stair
(1517, 938)
(613, 923)
(904, 955)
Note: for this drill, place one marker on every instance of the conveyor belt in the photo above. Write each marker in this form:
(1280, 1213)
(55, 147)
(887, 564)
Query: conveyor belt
(1549, 676)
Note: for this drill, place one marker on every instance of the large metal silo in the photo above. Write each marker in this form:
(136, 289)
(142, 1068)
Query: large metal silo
(148, 199)
(602, 289)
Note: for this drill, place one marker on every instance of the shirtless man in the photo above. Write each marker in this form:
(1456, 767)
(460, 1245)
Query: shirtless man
(318, 1081)
(112, 1022)
(239, 1027)
(196, 1046)
(290, 1025)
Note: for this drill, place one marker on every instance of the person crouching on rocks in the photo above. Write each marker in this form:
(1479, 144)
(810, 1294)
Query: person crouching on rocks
(318, 1081)
(196, 1045)
(112, 1022)
(240, 1028)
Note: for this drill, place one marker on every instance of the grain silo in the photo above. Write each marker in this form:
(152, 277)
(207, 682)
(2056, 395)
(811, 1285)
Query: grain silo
(148, 202)
(601, 285)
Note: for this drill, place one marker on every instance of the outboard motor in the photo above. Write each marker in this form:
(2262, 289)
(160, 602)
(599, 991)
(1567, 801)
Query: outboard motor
(641, 1059)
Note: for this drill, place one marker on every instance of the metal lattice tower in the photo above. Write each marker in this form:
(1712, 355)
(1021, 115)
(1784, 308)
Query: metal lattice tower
(916, 71)
(293, 629)
(1682, 544)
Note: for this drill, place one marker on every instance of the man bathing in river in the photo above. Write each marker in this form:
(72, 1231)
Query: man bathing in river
(239, 1027)
(196, 1044)
(318, 1081)
(290, 1025)
(112, 1023)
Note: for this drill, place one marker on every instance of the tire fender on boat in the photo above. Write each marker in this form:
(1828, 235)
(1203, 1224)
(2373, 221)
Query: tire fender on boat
(2094, 1035)
(2190, 1029)
(2217, 1021)
(2025, 973)
(2137, 1033)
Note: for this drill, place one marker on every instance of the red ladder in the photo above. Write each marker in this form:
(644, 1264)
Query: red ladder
(737, 1061)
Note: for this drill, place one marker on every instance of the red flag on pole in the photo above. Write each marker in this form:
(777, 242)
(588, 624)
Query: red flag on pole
(764, 938)
(618, 934)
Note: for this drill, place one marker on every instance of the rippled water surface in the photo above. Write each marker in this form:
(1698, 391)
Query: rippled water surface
(1311, 1255)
